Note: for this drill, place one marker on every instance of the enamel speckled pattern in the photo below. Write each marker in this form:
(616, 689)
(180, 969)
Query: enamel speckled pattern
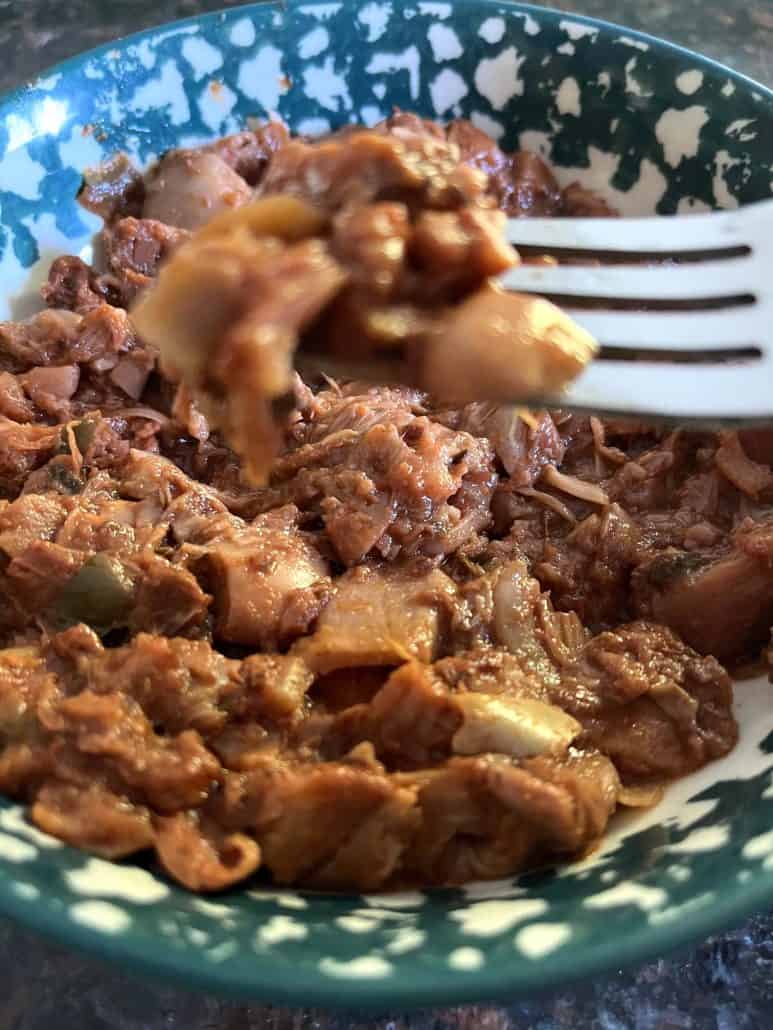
(657, 129)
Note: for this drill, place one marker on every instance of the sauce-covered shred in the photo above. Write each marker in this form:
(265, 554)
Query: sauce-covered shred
(346, 636)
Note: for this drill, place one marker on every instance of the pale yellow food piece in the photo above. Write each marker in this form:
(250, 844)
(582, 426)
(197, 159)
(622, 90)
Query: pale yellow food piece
(504, 347)
(200, 293)
(521, 727)
(379, 617)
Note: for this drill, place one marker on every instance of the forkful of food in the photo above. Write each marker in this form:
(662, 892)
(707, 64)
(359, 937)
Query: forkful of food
(665, 317)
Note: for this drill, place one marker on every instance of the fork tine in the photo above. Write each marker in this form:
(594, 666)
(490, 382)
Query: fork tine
(662, 283)
(703, 391)
(659, 235)
(691, 330)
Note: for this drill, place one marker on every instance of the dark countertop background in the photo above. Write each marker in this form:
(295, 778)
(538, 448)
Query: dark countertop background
(724, 984)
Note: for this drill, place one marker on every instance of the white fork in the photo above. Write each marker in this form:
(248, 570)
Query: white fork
(712, 363)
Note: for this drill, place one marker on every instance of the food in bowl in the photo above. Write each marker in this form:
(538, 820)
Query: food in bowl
(439, 644)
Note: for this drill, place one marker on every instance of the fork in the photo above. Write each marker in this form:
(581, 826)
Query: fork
(683, 314)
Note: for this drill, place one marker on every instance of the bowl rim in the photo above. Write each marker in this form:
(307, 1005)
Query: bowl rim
(189, 969)
(16, 93)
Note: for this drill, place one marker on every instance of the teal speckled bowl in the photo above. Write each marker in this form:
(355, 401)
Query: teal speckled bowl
(658, 129)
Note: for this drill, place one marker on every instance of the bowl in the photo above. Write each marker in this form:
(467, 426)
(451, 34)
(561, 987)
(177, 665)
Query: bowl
(658, 129)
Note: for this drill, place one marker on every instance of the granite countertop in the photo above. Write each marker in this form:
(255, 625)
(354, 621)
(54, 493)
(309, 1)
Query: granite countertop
(724, 984)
